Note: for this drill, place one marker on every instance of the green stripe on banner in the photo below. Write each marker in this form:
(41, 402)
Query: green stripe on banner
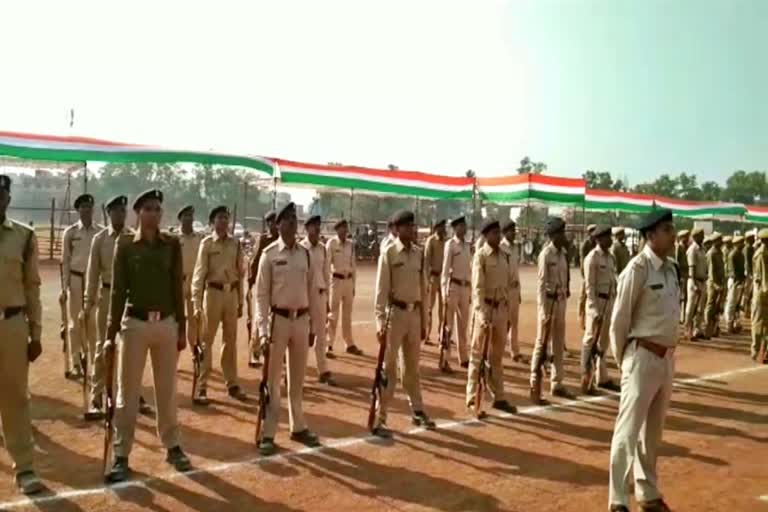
(535, 195)
(617, 207)
(757, 219)
(709, 212)
(373, 186)
(78, 155)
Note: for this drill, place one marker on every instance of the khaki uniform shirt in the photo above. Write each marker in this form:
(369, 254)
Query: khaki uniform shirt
(342, 257)
(19, 273)
(147, 276)
(284, 280)
(760, 270)
(386, 242)
(265, 240)
(456, 262)
(100, 263)
(697, 263)
(434, 251)
(401, 276)
(319, 263)
(514, 260)
(620, 255)
(220, 261)
(599, 280)
(586, 247)
(77, 248)
(749, 253)
(491, 280)
(190, 247)
(736, 265)
(716, 266)
(647, 303)
(553, 274)
(682, 260)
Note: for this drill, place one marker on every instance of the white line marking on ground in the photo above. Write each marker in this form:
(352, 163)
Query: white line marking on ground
(336, 444)
(763, 498)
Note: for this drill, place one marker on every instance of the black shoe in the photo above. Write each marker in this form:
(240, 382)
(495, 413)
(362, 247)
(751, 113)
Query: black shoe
(562, 392)
(428, 343)
(464, 365)
(352, 349)
(420, 419)
(382, 432)
(201, 398)
(480, 415)
(144, 408)
(446, 369)
(28, 483)
(306, 437)
(519, 358)
(178, 459)
(329, 353)
(536, 398)
(505, 406)
(654, 506)
(267, 447)
(610, 386)
(327, 378)
(120, 470)
(253, 361)
(619, 508)
(94, 412)
(237, 393)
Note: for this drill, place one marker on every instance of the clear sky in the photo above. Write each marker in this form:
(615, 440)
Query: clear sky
(637, 88)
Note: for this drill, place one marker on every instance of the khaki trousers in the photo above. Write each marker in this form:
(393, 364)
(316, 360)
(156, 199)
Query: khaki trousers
(514, 318)
(582, 299)
(79, 340)
(759, 310)
(435, 295)
(746, 296)
(646, 387)
(403, 336)
(458, 308)
(602, 339)
(714, 304)
(135, 340)
(497, 343)
(192, 329)
(292, 335)
(694, 315)
(341, 298)
(734, 295)
(220, 308)
(98, 366)
(557, 337)
(14, 397)
(319, 312)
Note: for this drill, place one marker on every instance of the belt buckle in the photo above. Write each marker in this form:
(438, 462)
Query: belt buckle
(410, 307)
(293, 314)
(153, 316)
(2, 314)
(226, 287)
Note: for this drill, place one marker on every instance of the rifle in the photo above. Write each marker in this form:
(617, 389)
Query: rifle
(109, 405)
(379, 377)
(544, 358)
(64, 326)
(484, 368)
(83, 319)
(684, 301)
(445, 331)
(198, 356)
(594, 351)
(264, 395)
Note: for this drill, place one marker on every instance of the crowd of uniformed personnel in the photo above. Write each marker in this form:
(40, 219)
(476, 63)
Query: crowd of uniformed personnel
(138, 292)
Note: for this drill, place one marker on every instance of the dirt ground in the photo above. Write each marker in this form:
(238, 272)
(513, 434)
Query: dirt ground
(551, 458)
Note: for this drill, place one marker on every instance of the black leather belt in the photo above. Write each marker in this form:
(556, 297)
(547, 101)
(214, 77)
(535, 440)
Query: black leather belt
(146, 315)
(337, 275)
(434, 273)
(10, 312)
(551, 295)
(224, 287)
(603, 296)
(106, 286)
(321, 291)
(494, 303)
(406, 306)
(459, 282)
(78, 274)
(291, 314)
(655, 348)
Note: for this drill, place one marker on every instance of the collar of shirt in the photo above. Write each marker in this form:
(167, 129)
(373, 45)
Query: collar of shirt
(113, 232)
(458, 240)
(656, 262)
(338, 239)
(138, 237)
(401, 246)
(282, 246)
(217, 237)
(80, 225)
(7, 223)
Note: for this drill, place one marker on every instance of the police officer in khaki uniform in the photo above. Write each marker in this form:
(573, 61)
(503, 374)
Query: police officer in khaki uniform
(147, 310)
(697, 279)
(217, 294)
(264, 240)
(76, 249)
(644, 333)
(759, 293)
(508, 245)
(715, 285)
(600, 279)
(749, 254)
(456, 279)
(387, 240)
(284, 300)
(341, 252)
(190, 247)
(552, 296)
(98, 290)
(736, 278)
(586, 247)
(681, 248)
(434, 252)
(619, 249)
(20, 330)
(321, 277)
(401, 295)
(492, 285)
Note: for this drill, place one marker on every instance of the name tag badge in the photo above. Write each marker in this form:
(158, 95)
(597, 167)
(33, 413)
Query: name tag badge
(280, 263)
(398, 264)
(657, 286)
(153, 316)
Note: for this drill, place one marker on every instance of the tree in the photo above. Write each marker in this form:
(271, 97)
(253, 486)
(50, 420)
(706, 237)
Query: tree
(744, 187)
(602, 181)
(527, 166)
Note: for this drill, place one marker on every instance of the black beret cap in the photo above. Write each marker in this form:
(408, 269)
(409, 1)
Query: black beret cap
(290, 208)
(314, 219)
(5, 183)
(185, 209)
(554, 225)
(439, 223)
(601, 229)
(510, 224)
(489, 224)
(152, 193)
(654, 218)
(342, 222)
(116, 201)
(84, 198)
(458, 220)
(217, 210)
(270, 215)
(403, 217)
